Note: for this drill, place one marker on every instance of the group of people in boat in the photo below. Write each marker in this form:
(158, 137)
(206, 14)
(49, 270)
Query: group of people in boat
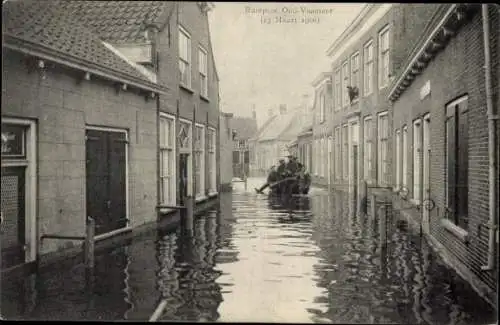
(290, 176)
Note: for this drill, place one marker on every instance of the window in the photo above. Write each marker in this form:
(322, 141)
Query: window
(345, 83)
(202, 59)
(398, 159)
(330, 157)
(383, 41)
(417, 159)
(167, 160)
(383, 137)
(338, 91)
(355, 76)
(367, 144)
(404, 159)
(325, 156)
(338, 154)
(368, 73)
(345, 152)
(322, 107)
(457, 162)
(184, 57)
(212, 162)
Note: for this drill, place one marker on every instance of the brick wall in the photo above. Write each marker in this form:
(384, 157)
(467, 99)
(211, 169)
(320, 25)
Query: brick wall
(62, 108)
(455, 71)
(206, 110)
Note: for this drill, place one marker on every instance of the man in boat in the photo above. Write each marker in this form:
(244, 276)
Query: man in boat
(272, 177)
(282, 170)
(292, 165)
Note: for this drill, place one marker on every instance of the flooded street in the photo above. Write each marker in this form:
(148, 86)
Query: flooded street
(256, 261)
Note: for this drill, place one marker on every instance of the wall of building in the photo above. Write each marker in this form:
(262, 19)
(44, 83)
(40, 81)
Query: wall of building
(455, 71)
(62, 105)
(189, 101)
(226, 152)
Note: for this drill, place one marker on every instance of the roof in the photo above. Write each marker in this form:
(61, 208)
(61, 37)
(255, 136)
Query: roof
(245, 127)
(120, 22)
(45, 29)
(281, 127)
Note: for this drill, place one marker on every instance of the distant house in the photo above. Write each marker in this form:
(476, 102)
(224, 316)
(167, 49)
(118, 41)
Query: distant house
(273, 139)
(243, 129)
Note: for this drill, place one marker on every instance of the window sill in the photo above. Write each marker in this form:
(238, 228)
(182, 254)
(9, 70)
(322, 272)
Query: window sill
(201, 198)
(383, 87)
(213, 194)
(186, 88)
(458, 232)
(415, 202)
(205, 98)
(164, 211)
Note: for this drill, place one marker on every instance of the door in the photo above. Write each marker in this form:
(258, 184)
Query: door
(13, 230)
(183, 176)
(355, 175)
(106, 179)
(426, 167)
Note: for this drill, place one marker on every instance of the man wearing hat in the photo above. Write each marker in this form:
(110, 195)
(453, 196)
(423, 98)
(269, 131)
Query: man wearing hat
(292, 165)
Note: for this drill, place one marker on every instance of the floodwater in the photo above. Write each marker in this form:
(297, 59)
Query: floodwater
(256, 261)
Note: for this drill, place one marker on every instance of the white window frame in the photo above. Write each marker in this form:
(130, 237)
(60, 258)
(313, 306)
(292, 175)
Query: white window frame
(367, 153)
(173, 174)
(338, 89)
(382, 149)
(200, 188)
(398, 159)
(212, 156)
(345, 83)
(355, 72)
(187, 61)
(417, 160)
(322, 107)
(368, 68)
(338, 153)
(345, 151)
(404, 158)
(203, 70)
(31, 181)
(383, 74)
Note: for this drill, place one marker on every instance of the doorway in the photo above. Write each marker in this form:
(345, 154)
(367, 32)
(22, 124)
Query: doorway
(13, 224)
(106, 179)
(183, 177)
(426, 170)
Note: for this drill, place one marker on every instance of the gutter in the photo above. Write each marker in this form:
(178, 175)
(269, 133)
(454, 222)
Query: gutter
(35, 50)
(492, 170)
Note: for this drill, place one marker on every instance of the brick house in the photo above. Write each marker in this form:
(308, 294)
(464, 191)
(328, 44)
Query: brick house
(362, 64)
(322, 134)
(171, 40)
(440, 128)
(78, 134)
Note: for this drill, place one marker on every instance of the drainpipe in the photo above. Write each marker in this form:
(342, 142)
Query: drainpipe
(491, 142)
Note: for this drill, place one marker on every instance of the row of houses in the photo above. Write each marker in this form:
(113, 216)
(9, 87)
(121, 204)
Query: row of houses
(110, 110)
(410, 105)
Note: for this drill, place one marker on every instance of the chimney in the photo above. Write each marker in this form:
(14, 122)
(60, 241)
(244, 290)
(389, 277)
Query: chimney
(282, 109)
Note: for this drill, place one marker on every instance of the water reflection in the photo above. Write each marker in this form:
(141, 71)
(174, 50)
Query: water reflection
(257, 259)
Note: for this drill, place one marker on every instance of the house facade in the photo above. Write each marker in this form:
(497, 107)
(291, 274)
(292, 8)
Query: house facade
(243, 130)
(78, 134)
(445, 158)
(171, 40)
(322, 133)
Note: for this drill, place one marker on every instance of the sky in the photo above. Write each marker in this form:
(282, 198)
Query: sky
(268, 54)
